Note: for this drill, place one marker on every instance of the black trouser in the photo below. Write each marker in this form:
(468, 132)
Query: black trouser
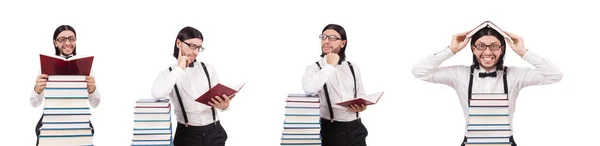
(39, 125)
(337, 133)
(209, 135)
(510, 139)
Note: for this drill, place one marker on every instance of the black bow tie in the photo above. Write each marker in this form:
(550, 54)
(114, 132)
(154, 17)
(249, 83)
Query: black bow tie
(67, 57)
(483, 75)
(191, 64)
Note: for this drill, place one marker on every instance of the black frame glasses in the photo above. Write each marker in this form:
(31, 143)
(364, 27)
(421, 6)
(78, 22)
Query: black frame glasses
(482, 47)
(330, 37)
(194, 47)
(64, 39)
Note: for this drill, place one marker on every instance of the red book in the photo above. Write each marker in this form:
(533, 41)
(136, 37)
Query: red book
(369, 100)
(218, 90)
(488, 24)
(56, 65)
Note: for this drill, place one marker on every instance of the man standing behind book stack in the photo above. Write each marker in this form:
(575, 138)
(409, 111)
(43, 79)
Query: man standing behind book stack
(64, 40)
(185, 81)
(334, 79)
(488, 73)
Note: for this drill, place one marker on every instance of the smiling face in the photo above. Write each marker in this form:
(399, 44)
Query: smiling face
(487, 50)
(65, 42)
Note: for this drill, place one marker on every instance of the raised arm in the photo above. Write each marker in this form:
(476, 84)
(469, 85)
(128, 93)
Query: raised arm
(164, 82)
(428, 69)
(545, 72)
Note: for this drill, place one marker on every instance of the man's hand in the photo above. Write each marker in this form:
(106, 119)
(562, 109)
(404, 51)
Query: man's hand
(40, 83)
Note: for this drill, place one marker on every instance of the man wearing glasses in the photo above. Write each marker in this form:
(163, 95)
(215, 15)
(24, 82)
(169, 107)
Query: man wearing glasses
(488, 75)
(183, 82)
(334, 79)
(64, 40)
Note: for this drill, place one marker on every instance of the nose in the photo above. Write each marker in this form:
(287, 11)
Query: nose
(326, 41)
(487, 50)
(196, 51)
(67, 42)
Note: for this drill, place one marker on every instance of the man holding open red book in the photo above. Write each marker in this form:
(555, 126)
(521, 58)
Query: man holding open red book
(64, 40)
(335, 80)
(186, 80)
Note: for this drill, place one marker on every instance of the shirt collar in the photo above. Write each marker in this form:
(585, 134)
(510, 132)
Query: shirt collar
(61, 55)
(481, 70)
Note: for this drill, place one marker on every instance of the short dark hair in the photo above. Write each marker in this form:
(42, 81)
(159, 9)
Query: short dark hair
(339, 29)
(185, 34)
(487, 31)
(58, 31)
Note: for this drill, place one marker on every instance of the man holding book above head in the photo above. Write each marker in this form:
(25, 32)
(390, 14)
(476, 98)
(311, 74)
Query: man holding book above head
(185, 81)
(61, 67)
(336, 81)
(487, 89)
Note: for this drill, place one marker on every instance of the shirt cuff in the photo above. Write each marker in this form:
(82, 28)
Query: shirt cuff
(328, 69)
(222, 110)
(176, 73)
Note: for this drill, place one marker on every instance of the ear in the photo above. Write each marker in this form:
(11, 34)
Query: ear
(178, 44)
(343, 43)
(55, 44)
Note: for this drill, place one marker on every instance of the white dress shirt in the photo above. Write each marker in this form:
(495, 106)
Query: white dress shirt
(93, 98)
(457, 77)
(340, 86)
(192, 83)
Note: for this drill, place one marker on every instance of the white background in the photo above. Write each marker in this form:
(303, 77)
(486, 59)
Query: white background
(269, 44)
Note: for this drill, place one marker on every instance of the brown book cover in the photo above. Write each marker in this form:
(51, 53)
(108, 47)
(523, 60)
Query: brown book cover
(218, 90)
(369, 100)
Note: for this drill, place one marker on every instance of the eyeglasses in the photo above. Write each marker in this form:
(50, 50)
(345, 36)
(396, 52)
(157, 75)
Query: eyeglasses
(330, 37)
(64, 39)
(493, 47)
(194, 47)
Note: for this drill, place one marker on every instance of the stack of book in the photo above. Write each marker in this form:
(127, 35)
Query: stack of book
(489, 121)
(152, 123)
(67, 115)
(302, 121)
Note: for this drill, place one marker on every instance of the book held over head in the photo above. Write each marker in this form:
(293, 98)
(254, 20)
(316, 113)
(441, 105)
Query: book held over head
(490, 25)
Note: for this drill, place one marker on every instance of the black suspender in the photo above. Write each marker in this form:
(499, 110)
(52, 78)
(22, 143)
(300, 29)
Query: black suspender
(179, 95)
(327, 97)
(180, 102)
(354, 77)
(505, 82)
(327, 93)
(471, 82)
(209, 86)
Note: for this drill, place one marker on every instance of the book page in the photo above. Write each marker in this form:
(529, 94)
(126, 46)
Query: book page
(53, 56)
(239, 86)
(78, 57)
(374, 97)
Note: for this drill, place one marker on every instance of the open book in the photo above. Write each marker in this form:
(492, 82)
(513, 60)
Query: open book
(218, 90)
(488, 24)
(56, 65)
(369, 100)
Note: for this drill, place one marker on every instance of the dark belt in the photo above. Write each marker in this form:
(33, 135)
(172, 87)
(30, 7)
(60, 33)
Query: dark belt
(341, 125)
(208, 127)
